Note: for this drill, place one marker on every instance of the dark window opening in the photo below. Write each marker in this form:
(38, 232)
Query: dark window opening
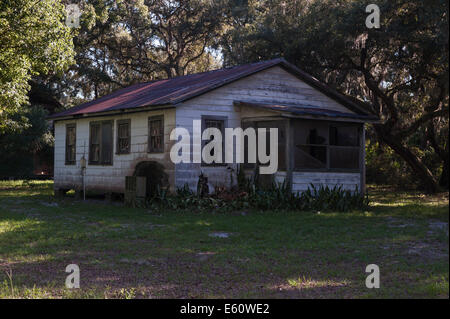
(70, 144)
(94, 148)
(101, 143)
(123, 137)
(218, 123)
(156, 134)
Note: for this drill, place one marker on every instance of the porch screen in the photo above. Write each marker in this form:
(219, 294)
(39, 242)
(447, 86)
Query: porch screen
(329, 146)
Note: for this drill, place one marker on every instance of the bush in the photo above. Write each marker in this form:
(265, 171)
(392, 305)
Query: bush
(277, 197)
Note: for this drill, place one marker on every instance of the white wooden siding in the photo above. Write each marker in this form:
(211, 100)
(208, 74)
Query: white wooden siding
(274, 85)
(302, 180)
(110, 177)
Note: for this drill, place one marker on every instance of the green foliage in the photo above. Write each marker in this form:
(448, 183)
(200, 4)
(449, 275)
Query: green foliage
(33, 40)
(120, 43)
(332, 199)
(384, 166)
(19, 146)
(398, 72)
(276, 197)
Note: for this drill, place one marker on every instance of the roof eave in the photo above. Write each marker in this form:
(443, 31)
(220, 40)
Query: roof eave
(144, 108)
(327, 117)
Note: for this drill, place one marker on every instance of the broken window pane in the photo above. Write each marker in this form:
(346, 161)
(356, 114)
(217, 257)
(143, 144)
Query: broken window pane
(123, 137)
(156, 134)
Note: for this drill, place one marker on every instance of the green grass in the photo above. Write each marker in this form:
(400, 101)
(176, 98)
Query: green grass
(140, 253)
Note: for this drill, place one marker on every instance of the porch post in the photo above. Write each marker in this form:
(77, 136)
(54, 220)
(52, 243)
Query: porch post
(289, 151)
(362, 161)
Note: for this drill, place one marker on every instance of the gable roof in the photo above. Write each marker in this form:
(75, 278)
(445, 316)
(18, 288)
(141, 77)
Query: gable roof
(172, 91)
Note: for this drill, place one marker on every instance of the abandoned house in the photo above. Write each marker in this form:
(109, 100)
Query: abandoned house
(126, 133)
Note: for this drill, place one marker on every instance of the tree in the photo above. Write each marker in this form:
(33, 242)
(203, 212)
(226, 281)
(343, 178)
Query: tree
(18, 148)
(399, 72)
(122, 42)
(33, 40)
(167, 36)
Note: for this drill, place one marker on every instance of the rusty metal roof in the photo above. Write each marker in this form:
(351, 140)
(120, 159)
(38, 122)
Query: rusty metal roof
(178, 89)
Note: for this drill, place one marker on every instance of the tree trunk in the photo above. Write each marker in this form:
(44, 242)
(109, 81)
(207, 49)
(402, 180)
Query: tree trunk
(443, 153)
(443, 180)
(422, 172)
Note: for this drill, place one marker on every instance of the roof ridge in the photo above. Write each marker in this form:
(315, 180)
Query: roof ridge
(220, 69)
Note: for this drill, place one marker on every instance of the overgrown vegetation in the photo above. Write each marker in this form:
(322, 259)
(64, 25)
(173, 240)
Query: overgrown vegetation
(249, 194)
(163, 253)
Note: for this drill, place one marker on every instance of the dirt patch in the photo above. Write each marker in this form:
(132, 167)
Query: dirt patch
(427, 250)
(437, 226)
(399, 223)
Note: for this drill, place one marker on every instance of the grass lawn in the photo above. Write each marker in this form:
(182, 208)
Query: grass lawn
(139, 253)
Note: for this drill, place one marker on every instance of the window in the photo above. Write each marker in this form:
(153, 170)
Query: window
(217, 122)
(71, 144)
(94, 147)
(123, 136)
(326, 146)
(101, 143)
(156, 134)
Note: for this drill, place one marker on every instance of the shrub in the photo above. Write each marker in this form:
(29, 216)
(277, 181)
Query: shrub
(277, 197)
